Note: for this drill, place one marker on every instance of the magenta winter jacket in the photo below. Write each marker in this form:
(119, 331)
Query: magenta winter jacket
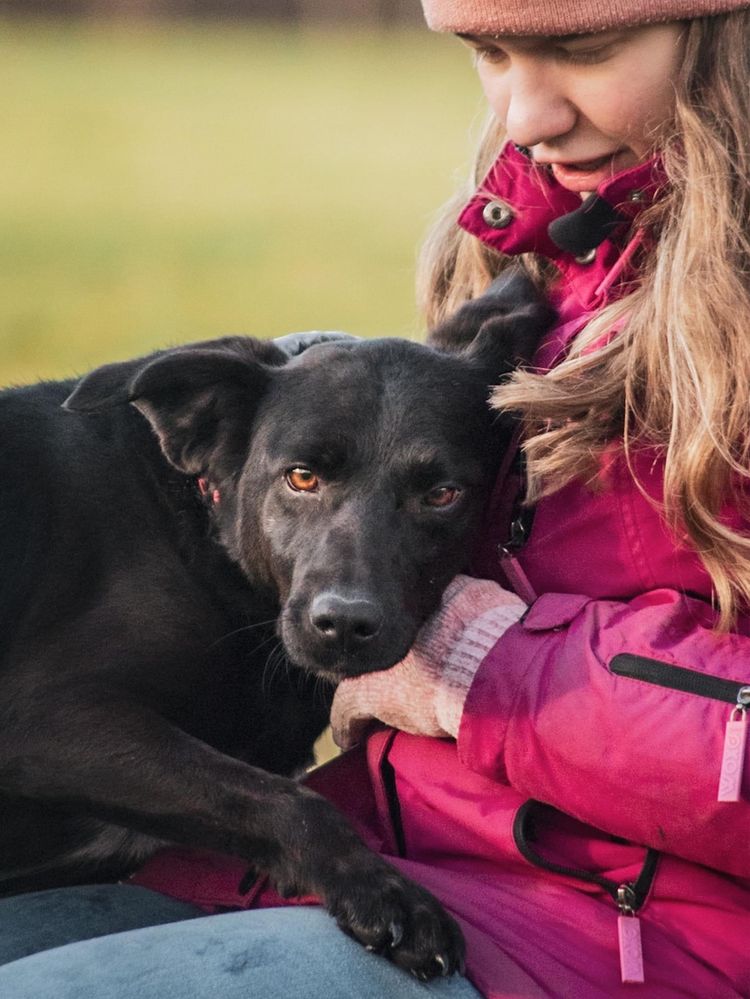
(585, 777)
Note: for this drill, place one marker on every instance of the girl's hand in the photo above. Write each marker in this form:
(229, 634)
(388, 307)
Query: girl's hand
(424, 694)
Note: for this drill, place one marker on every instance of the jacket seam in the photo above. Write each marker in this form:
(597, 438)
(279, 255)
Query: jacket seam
(637, 552)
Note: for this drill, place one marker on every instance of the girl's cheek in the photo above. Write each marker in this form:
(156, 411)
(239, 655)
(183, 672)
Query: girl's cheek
(496, 93)
(620, 114)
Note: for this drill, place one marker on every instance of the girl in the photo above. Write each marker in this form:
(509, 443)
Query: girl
(563, 762)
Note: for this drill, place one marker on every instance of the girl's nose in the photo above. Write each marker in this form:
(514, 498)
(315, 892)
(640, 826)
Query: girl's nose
(533, 106)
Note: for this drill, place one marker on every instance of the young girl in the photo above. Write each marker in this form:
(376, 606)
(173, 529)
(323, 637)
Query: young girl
(563, 762)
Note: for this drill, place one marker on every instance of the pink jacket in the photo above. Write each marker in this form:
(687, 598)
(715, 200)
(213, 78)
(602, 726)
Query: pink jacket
(608, 703)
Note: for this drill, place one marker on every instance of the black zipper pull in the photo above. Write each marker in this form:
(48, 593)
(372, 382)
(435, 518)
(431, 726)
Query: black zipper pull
(733, 757)
(520, 529)
(516, 577)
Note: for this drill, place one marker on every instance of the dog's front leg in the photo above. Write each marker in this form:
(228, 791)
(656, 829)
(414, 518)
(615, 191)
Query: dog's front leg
(124, 763)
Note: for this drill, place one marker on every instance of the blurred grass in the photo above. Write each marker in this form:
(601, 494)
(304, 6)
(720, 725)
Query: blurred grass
(168, 182)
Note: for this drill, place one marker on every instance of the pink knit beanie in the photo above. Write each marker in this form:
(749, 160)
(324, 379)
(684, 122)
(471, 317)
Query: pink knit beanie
(562, 17)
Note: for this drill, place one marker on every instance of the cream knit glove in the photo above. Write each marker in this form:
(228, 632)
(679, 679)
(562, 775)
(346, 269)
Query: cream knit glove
(425, 692)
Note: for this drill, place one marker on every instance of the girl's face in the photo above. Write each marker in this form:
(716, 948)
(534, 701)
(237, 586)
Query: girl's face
(587, 106)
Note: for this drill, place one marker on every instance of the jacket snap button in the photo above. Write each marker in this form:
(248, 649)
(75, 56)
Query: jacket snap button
(636, 195)
(497, 215)
(586, 258)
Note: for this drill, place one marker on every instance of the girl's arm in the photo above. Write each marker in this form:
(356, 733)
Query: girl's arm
(616, 713)
(613, 712)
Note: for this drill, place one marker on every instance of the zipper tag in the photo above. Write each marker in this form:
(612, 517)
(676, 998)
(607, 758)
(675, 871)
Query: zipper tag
(517, 578)
(629, 937)
(733, 757)
(631, 951)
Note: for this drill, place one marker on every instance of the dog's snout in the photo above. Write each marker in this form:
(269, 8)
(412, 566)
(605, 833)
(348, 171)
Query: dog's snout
(343, 621)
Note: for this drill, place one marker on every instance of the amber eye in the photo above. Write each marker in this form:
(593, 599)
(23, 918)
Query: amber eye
(302, 480)
(442, 496)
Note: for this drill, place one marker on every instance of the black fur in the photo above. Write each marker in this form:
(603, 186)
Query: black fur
(145, 630)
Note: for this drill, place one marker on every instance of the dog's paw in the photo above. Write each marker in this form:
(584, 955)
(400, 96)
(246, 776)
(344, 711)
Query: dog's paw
(392, 916)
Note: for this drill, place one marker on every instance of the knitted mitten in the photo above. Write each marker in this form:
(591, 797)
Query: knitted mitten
(425, 692)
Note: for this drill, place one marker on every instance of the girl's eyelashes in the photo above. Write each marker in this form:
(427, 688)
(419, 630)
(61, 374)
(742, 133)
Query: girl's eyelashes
(585, 56)
(489, 52)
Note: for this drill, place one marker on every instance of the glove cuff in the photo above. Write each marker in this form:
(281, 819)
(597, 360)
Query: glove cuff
(462, 663)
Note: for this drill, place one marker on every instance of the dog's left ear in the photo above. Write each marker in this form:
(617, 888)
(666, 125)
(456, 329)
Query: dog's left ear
(200, 400)
(501, 328)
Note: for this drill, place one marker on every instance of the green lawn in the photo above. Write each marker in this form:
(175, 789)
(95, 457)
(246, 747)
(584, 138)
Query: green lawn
(170, 182)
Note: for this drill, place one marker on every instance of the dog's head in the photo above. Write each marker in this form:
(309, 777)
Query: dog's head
(348, 480)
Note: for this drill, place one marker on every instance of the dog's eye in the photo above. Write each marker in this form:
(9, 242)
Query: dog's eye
(442, 496)
(302, 480)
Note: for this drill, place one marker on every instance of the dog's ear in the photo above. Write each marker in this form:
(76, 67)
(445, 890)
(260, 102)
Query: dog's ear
(107, 386)
(200, 399)
(501, 328)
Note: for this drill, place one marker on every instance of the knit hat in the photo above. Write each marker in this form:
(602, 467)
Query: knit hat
(563, 17)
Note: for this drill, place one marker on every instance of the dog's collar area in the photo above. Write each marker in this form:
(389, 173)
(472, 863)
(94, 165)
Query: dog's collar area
(209, 494)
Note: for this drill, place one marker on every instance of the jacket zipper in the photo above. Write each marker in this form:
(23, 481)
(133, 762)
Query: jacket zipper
(629, 896)
(690, 681)
(388, 777)
(522, 518)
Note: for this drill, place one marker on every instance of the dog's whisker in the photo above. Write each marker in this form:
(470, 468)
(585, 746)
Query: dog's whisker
(321, 690)
(256, 648)
(239, 631)
(275, 660)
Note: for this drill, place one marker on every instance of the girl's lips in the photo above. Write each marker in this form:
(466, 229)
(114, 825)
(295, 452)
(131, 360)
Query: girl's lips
(580, 177)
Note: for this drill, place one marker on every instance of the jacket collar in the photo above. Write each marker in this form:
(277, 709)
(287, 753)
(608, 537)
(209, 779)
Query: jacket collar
(517, 201)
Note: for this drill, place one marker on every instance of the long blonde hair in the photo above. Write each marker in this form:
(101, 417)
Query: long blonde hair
(678, 375)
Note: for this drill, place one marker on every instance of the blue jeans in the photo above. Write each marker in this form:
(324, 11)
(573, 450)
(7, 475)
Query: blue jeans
(135, 944)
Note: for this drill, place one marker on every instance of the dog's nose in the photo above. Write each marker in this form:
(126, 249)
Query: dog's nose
(340, 620)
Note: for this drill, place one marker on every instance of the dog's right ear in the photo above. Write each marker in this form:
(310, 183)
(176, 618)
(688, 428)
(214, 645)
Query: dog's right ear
(502, 327)
(200, 399)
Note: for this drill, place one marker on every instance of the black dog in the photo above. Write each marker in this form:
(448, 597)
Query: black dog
(161, 521)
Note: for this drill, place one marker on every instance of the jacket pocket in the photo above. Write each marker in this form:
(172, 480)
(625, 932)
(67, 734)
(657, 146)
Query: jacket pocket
(629, 897)
(533, 812)
(689, 681)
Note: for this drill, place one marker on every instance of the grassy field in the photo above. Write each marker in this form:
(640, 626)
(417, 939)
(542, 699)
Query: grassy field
(169, 182)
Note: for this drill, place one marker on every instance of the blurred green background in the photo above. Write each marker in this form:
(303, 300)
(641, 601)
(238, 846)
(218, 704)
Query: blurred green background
(165, 181)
